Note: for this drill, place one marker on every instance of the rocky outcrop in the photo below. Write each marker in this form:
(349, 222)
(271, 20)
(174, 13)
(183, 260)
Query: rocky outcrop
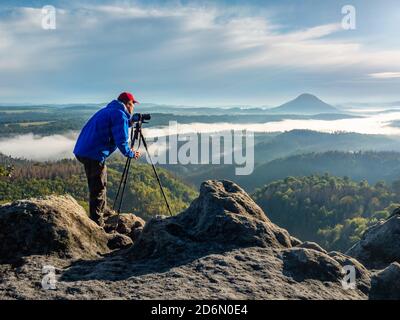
(385, 284)
(222, 246)
(225, 219)
(312, 245)
(125, 223)
(363, 276)
(58, 225)
(119, 241)
(49, 226)
(222, 217)
(302, 263)
(380, 244)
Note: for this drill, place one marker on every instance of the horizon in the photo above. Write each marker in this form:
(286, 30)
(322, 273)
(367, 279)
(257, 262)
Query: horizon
(211, 105)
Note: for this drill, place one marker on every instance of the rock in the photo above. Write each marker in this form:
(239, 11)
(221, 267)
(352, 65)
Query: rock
(222, 217)
(294, 241)
(385, 285)
(363, 276)
(119, 241)
(395, 212)
(222, 247)
(128, 224)
(302, 263)
(312, 245)
(135, 233)
(50, 225)
(379, 245)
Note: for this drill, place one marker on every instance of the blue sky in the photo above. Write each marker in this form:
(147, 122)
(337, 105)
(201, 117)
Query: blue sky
(199, 52)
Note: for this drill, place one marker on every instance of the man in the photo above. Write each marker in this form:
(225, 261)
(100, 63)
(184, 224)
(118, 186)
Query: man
(106, 130)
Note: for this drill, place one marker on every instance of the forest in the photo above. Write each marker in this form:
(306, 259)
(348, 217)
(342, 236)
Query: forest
(329, 210)
(28, 179)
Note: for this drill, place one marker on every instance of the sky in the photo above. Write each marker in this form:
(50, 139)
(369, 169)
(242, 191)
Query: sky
(199, 52)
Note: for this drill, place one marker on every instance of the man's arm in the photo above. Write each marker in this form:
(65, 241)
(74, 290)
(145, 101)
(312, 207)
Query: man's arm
(120, 132)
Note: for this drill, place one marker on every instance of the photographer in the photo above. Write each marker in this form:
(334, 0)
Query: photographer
(106, 130)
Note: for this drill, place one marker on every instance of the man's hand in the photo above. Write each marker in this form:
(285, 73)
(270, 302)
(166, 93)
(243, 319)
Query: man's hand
(137, 153)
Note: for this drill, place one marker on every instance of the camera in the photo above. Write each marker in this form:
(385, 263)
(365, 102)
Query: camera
(140, 117)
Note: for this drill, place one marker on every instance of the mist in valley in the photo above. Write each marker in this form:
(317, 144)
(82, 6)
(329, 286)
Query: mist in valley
(60, 146)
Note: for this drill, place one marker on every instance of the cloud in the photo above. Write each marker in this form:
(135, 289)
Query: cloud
(41, 148)
(370, 124)
(171, 51)
(385, 75)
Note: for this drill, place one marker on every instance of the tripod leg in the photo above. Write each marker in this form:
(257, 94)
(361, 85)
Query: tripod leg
(125, 174)
(124, 184)
(120, 184)
(156, 174)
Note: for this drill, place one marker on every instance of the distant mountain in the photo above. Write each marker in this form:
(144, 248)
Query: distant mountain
(305, 104)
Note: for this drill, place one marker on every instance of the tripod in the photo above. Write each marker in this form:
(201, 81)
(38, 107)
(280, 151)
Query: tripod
(136, 135)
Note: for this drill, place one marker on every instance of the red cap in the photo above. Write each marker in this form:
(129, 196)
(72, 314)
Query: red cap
(125, 97)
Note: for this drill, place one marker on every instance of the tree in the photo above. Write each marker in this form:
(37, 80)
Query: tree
(327, 209)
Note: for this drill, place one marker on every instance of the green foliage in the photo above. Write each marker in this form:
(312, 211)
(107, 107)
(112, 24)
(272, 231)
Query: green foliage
(330, 210)
(3, 171)
(6, 171)
(142, 195)
(369, 165)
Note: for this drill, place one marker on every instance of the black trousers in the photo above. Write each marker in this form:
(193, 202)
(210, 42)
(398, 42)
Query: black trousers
(96, 173)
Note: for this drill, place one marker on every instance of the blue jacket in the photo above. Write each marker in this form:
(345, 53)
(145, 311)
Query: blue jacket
(106, 130)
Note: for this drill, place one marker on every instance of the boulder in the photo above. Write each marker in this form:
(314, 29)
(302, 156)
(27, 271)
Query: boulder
(135, 233)
(303, 263)
(294, 241)
(119, 241)
(222, 217)
(52, 225)
(312, 245)
(363, 275)
(125, 223)
(379, 245)
(385, 285)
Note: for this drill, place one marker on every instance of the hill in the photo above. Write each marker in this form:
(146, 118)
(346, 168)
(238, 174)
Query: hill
(288, 144)
(368, 165)
(331, 211)
(305, 104)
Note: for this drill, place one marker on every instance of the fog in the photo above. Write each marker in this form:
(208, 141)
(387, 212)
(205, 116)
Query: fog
(30, 146)
(376, 124)
(54, 147)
